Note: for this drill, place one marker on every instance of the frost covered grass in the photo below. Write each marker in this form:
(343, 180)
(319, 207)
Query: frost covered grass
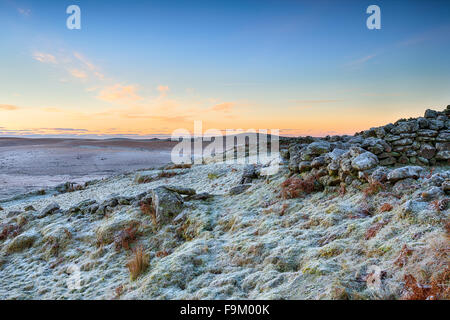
(254, 245)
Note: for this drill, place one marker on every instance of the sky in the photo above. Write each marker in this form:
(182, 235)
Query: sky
(145, 69)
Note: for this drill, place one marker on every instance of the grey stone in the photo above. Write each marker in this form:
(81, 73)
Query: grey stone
(294, 161)
(318, 162)
(430, 114)
(404, 172)
(388, 154)
(407, 185)
(427, 133)
(356, 151)
(380, 132)
(376, 145)
(318, 148)
(412, 207)
(284, 153)
(333, 167)
(411, 153)
(443, 146)
(304, 166)
(365, 161)
(391, 138)
(83, 205)
(427, 151)
(432, 193)
(346, 165)
(446, 186)
(248, 174)
(379, 175)
(443, 155)
(200, 196)
(436, 124)
(50, 209)
(423, 161)
(405, 127)
(167, 204)
(425, 139)
(402, 149)
(388, 161)
(239, 189)
(444, 136)
(402, 142)
(334, 155)
(408, 135)
(181, 190)
(423, 123)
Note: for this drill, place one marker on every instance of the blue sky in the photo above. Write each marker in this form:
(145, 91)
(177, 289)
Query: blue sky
(142, 68)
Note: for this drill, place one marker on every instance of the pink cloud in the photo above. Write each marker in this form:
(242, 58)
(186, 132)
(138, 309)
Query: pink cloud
(80, 74)
(163, 90)
(119, 93)
(8, 107)
(44, 57)
(223, 107)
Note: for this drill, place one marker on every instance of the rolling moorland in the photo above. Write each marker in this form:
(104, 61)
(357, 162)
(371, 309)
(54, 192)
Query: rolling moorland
(345, 217)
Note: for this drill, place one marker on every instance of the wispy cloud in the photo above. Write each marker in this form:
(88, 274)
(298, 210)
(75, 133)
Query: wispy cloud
(223, 107)
(8, 107)
(89, 65)
(362, 60)
(76, 65)
(80, 74)
(119, 93)
(51, 109)
(44, 57)
(24, 12)
(163, 90)
(437, 34)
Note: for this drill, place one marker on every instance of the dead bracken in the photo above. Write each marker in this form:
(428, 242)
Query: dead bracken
(124, 238)
(373, 230)
(386, 207)
(295, 187)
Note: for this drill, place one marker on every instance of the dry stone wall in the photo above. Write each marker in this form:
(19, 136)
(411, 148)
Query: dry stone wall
(414, 142)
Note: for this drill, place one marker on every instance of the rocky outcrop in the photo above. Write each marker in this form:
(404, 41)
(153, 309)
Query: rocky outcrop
(50, 209)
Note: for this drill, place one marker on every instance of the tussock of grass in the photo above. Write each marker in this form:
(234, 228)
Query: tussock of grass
(212, 176)
(139, 263)
(149, 210)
